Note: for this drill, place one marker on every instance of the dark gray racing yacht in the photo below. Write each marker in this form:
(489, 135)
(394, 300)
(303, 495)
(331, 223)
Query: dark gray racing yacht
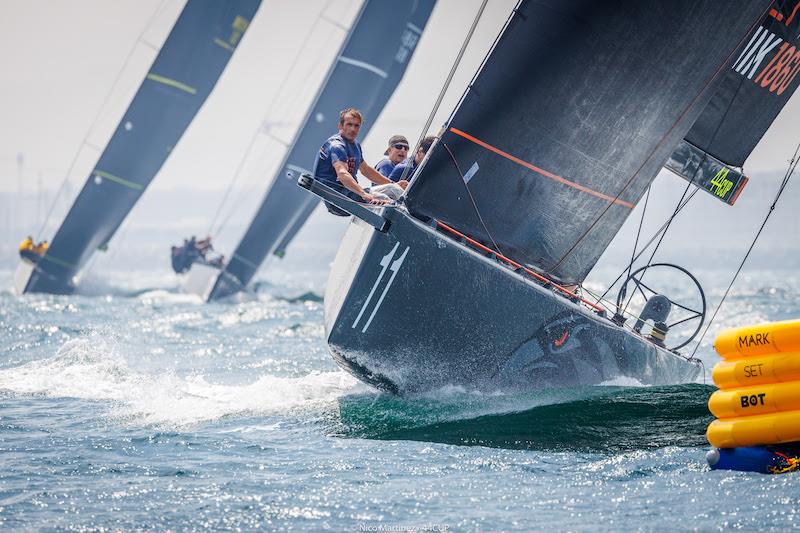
(180, 79)
(475, 280)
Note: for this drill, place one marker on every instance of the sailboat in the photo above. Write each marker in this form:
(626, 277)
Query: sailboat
(367, 70)
(180, 79)
(475, 280)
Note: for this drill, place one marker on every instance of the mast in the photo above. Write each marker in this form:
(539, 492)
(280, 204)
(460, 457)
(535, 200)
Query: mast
(368, 68)
(573, 114)
(182, 76)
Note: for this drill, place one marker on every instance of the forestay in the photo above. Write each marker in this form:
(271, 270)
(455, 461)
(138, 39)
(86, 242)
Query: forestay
(573, 114)
(182, 76)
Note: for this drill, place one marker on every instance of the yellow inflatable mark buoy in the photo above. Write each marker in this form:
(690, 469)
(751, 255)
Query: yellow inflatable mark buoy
(759, 398)
(775, 337)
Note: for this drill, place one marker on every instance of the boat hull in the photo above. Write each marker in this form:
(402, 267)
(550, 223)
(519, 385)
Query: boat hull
(31, 277)
(411, 309)
(22, 275)
(200, 280)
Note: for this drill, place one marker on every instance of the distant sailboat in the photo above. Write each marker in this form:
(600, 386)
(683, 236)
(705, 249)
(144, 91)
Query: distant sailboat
(576, 109)
(367, 70)
(182, 76)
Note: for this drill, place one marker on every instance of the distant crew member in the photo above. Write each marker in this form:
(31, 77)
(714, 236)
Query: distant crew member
(26, 244)
(419, 155)
(41, 248)
(396, 152)
(340, 159)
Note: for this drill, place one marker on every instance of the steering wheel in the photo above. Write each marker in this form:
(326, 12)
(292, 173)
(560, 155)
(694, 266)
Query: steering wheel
(645, 292)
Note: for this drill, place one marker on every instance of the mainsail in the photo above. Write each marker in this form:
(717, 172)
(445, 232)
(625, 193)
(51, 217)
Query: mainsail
(367, 70)
(756, 86)
(182, 76)
(573, 114)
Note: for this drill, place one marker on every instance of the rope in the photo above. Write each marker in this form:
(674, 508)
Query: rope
(84, 142)
(789, 171)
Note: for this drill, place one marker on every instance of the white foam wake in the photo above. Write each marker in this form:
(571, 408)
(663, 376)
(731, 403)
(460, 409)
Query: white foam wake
(89, 368)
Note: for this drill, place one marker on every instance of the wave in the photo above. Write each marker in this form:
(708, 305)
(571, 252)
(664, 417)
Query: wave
(587, 419)
(89, 368)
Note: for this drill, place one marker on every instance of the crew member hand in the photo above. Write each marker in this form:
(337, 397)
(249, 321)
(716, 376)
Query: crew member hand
(403, 184)
(375, 200)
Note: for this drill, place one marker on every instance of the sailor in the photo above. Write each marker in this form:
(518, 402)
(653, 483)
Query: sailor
(400, 170)
(396, 152)
(204, 246)
(26, 245)
(340, 159)
(41, 248)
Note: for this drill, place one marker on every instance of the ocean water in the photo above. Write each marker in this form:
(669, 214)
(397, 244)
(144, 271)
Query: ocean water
(133, 406)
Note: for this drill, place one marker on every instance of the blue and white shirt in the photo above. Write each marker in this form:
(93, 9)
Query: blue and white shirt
(335, 149)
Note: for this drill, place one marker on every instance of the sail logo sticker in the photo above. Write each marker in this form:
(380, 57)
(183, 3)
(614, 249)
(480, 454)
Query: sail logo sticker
(386, 263)
(720, 184)
(780, 70)
(471, 172)
(408, 41)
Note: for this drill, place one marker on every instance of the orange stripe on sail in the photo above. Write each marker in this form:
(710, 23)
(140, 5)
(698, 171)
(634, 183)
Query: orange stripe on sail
(542, 171)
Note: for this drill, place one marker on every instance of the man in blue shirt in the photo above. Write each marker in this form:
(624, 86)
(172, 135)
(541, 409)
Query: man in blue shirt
(340, 159)
(396, 152)
(399, 171)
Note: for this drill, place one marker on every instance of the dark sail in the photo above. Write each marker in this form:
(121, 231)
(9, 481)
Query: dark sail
(575, 111)
(182, 76)
(368, 68)
(754, 89)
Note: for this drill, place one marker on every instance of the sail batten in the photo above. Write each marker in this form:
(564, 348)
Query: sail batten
(592, 97)
(177, 84)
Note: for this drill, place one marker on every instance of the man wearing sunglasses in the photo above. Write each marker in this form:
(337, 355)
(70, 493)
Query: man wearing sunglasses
(396, 152)
(402, 173)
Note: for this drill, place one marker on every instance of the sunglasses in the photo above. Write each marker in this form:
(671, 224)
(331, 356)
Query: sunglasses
(400, 146)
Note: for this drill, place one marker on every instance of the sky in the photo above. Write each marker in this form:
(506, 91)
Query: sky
(67, 56)
(70, 68)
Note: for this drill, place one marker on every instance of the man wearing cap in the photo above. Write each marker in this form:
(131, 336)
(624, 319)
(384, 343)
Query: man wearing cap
(396, 152)
(402, 173)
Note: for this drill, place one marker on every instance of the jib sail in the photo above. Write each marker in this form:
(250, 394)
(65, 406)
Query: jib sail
(574, 112)
(182, 76)
(755, 87)
(367, 70)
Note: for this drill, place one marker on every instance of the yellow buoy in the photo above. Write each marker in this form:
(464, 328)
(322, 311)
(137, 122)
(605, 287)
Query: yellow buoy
(757, 400)
(757, 370)
(775, 337)
(774, 428)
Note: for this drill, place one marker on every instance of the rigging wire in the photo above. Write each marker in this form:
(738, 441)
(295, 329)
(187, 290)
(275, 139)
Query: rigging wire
(85, 141)
(787, 176)
(652, 239)
(638, 233)
(663, 234)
